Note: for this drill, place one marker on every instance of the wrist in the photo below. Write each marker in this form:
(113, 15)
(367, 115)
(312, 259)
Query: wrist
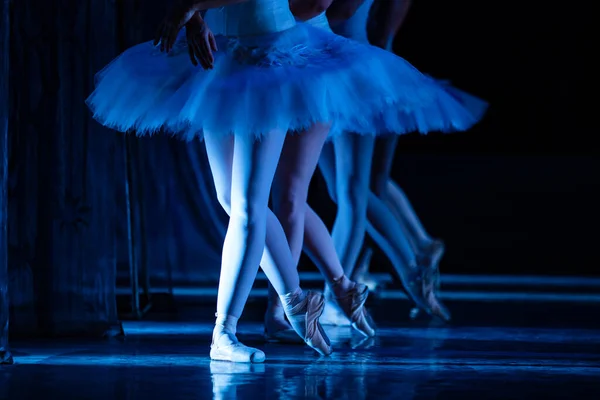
(197, 18)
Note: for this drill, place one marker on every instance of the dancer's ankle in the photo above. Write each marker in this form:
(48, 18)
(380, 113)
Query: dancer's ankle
(291, 299)
(274, 304)
(341, 285)
(224, 324)
(425, 243)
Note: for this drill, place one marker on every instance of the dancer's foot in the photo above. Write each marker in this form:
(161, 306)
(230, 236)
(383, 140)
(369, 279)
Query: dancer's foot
(333, 314)
(361, 272)
(411, 276)
(278, 329)
(432, 254)
(226, 347)
(351, 298)
(5, 357)
(431, 278)
(430, 282)
(303, 310)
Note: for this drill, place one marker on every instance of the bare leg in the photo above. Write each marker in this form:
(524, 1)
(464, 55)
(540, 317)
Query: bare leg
(381, 223)
(388, 191)
(290, 191)
(428, 250)
(346, 167)
(353, 157)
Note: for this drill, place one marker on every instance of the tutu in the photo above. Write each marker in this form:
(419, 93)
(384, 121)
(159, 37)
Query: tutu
(285, 80)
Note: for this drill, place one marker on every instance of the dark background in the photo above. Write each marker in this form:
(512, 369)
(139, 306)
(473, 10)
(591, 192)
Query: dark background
(516, 195)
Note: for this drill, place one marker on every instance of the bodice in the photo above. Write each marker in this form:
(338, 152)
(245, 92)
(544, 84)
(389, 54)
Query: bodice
(253, 17)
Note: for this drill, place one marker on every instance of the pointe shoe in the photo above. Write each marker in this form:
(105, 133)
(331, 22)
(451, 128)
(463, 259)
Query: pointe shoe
(432, 256)
(280, 331)
(226, 347)
(352, 303)
(361, 272)
(425, 286)
(411, 277)
(304, 318)
(431, 277)
(367, 279)
(333, 314)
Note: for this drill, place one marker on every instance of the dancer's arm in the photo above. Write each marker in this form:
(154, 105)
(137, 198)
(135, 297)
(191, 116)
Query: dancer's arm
(390, 16)
(341, 10)
(200, 41)
(180, 15)
(307, 9)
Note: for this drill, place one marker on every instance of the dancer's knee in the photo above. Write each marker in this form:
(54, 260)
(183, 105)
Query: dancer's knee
(332, 192)
(379, 185)
(289, 204)
(224, 198)
(353, 198)
(249, 214)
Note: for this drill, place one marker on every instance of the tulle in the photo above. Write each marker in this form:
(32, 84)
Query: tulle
(285, 81)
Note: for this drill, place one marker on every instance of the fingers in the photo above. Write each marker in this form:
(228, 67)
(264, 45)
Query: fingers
(169, 39)
(208, 50)
(201, 55)
(213, 42)
(191, 54)
(158, 35)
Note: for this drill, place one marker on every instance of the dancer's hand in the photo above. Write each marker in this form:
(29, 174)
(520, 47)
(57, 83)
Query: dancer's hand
(201, 42)
(169, 28)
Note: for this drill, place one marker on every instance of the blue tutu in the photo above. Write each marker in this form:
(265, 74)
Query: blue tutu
(287, 81)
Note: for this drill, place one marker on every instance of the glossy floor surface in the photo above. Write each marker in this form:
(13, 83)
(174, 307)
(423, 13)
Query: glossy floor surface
(492, 350)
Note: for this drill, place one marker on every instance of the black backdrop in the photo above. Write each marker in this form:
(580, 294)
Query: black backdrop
(514, 195)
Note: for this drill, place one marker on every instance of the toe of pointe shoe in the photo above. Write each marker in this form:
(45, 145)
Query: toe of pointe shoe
(365, 325)
(320, 343)
(442, 312)
(258, 357)
(237, 353)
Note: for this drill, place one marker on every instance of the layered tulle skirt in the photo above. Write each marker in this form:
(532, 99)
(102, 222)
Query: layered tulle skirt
(283, 81)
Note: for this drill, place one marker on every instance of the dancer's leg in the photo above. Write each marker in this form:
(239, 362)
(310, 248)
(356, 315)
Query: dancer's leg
(381, 223)
(430, 250)
(384, 152)
(296, 167)
(290, 191)
(327, 168)
(346, 168)
(353, 156)
(247, 167)
(394, 197)
(243, 170)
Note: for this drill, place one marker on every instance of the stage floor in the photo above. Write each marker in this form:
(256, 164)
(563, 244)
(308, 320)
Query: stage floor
(492, 350)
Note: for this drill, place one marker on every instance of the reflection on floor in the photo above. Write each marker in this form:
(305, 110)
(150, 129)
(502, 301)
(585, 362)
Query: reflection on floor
(493, 350)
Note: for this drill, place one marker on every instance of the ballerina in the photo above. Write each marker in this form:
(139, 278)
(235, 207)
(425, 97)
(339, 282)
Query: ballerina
(276, 328)
(389, 220)
(271, 76)
(146, 91)
(297, 164)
